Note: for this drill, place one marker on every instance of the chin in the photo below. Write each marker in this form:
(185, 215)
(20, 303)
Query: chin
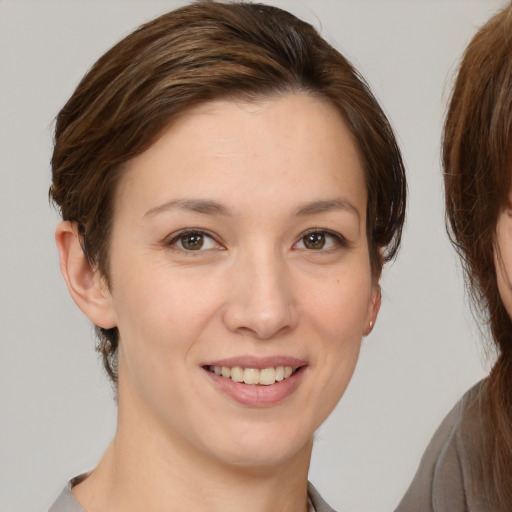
(263, 449)
(258, 459)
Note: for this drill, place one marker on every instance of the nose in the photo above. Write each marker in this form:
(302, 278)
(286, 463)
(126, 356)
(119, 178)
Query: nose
(261, 299)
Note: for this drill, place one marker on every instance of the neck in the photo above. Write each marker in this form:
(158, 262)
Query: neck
(143, 469)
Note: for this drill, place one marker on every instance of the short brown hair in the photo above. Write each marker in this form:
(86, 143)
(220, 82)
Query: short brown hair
(209, 50)
(477, 150)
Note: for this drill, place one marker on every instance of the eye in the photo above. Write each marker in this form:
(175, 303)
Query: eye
(193, 241)
(318, 240)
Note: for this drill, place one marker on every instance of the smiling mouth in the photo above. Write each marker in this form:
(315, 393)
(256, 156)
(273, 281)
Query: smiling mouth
(253, 376)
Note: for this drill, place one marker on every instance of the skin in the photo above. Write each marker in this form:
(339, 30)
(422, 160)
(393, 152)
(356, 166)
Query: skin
(503, 257)
(274, 169)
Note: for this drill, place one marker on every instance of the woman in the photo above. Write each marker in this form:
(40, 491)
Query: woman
(230, 190)
(468, 464)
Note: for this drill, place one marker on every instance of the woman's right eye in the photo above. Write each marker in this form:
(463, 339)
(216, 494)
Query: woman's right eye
(193, 241)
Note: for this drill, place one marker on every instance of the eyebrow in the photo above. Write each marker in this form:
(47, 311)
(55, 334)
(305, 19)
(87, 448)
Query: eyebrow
(203, 206)
(330, 205)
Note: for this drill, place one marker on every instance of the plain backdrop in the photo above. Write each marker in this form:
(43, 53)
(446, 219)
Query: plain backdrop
(56, 408)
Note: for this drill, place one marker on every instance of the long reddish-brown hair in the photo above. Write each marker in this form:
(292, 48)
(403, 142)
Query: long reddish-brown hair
(477, 150)
(205, 51)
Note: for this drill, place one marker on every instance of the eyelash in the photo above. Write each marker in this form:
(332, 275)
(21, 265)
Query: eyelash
(175, 238)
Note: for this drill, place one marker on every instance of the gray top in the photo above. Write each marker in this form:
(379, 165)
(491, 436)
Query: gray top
(443, 481)
(66, 501)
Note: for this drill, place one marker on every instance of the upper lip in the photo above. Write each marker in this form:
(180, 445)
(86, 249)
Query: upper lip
(257, 362)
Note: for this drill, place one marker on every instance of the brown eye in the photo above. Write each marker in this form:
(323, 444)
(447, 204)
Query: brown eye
(314, 241)
(321, 240)
(192, 241)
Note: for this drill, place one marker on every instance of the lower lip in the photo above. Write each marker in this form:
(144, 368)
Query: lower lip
(258, 395)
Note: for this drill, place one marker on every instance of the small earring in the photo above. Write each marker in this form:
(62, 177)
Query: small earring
(371, 324)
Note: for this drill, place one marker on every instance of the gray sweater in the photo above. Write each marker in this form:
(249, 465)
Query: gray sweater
(66, 501)
(443, 482)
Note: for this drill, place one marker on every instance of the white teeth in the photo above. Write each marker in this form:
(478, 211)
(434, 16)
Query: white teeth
(237, 374)
(253, 376)
(267, 376)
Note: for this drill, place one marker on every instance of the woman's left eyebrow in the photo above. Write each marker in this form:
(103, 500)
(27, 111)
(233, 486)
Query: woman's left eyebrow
(328, 205)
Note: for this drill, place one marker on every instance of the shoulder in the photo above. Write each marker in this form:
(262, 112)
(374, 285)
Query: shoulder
(443, 480)
(66, 501)
(318, 502)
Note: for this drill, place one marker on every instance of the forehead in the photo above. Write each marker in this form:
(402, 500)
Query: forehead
(237, 150)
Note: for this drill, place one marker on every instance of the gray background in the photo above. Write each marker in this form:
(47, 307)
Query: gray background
(56, 407)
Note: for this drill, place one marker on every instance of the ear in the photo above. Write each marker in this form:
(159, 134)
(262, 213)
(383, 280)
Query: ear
(373, 310)
(85, 284)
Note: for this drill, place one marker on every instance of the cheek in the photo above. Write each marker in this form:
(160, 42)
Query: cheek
(160, 321)
(504, 284)
(338, 313)
(338, 317)
(340, 305)
(160, 317)
(503, 260)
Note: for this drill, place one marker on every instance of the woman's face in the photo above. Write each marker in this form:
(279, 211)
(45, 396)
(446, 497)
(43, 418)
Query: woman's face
(503, 256)
(239, 247)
